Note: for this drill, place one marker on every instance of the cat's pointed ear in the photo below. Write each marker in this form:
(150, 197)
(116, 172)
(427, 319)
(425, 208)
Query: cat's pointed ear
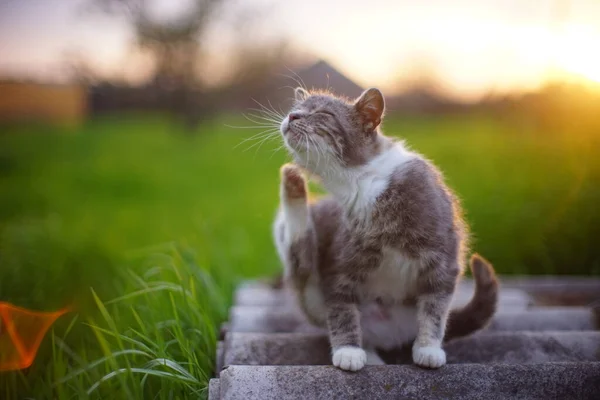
(300, 94)
(370, 106)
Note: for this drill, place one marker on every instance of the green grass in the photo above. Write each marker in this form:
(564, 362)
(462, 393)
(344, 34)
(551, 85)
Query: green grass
(146, 230)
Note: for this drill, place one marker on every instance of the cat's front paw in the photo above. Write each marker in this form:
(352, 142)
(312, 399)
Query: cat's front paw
(429, 356)
(292, 182)
(349, 358)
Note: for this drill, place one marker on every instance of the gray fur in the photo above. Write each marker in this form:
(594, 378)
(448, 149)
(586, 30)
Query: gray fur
(416, 216)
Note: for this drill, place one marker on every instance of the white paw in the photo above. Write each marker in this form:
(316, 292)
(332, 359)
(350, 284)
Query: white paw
(349, 358)
(429, 357)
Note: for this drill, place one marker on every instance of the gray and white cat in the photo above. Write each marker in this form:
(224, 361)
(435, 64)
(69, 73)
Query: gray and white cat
(378, 260)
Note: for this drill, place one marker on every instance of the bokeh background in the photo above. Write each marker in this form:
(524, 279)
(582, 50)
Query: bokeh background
(138, 182)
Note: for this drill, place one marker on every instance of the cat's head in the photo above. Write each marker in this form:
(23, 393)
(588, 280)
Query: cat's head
(323, 130)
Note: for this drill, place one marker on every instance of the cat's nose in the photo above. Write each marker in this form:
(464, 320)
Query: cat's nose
(293, 116)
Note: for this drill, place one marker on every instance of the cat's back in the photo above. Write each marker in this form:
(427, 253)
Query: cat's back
(417, 194)
(417, 211)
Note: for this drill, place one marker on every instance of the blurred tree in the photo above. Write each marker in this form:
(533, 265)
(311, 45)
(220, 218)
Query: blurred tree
(80, 69)
(203, 59)
(173, 45)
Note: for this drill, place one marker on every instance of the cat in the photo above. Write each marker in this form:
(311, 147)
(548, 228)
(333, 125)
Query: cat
(377, 260)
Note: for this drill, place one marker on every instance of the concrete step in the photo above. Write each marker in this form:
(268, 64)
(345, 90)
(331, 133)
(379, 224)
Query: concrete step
(496, 347)
(290, 319)
(268, 320)
(535, 348)
(465, 381)
(542, 290)
(547, 318)
(214, 389)
(508, 299)
(557, 290)
(263, 295)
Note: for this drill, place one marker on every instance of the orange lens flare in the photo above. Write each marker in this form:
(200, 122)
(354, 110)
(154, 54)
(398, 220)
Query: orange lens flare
(21, 332)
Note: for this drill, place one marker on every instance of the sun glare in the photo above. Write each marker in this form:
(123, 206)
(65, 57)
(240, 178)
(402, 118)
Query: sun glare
(502, 57)
(577, 53)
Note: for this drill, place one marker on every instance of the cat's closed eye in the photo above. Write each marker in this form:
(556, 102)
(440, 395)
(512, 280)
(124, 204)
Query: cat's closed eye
(327, 113)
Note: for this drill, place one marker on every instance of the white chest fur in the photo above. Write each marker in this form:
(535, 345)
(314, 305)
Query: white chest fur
(394, 280)
(357, 189)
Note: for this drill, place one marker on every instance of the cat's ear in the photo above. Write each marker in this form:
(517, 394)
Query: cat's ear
(300, 94)
(370, 106)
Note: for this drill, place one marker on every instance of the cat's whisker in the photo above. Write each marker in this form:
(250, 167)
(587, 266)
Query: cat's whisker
(336, 152)
(315, 144)
(264, 124)
(273, 109)
(279, 112)
(265, 136)
(266, 115)
(322, 150)
(266, 118)
(266, 139)
(261, 120)
(299, 81)
(254, 146)
(266, 129)
(250, 126)
(266, 110)
(318, 146)
(258, 136)
(270, 111)
(281, 147)
(271, 124)
(282, 112)
(311, 140)
(286, 86)
(307, 150)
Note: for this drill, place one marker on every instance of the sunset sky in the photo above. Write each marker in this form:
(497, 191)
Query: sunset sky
(474, 45)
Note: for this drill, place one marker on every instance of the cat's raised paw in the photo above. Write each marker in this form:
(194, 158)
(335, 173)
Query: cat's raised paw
(349, 358)
(429, 356)
(292, 181)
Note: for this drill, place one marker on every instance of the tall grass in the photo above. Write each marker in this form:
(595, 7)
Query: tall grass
(156, 340)
(146, 230)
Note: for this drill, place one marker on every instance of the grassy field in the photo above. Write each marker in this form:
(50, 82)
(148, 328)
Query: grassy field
(145, 231)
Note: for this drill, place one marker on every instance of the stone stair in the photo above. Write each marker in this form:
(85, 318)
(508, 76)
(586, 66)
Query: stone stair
(544, 343)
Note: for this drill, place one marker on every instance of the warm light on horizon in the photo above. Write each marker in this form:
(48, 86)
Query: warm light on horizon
(577, 52)
(499, 59)
(471, 48)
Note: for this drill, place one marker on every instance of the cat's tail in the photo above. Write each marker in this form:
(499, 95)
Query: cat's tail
(482, 307)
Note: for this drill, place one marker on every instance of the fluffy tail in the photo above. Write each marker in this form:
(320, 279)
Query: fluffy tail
(482, 307)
